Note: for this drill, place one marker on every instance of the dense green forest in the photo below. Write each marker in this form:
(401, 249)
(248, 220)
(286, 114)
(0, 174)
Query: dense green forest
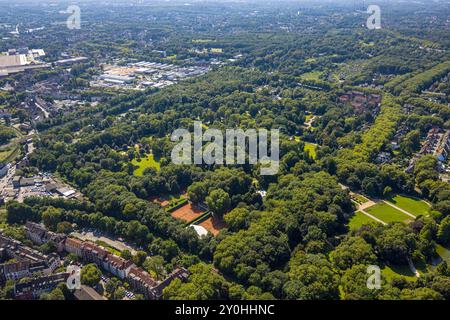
(296, 242)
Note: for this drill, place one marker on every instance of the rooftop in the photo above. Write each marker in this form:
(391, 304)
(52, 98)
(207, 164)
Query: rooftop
(87, 293)
(12, 61)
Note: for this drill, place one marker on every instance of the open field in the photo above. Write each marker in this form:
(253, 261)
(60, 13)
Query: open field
(144, 163)
(390, 272)
(358, 220)
(311, 149)
(387, 213)
(444, 253)
(188, 212)
(414, 206)
(314, 75)
(9, 153)
(308, 117)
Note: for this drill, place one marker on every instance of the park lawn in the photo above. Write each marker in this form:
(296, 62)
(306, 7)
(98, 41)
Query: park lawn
(390, 272)
(358, 220)
(144, 163)
(443, 252)
(311, 149)
(414, 206)
(5, 154)
(386, 213)
(314, 75)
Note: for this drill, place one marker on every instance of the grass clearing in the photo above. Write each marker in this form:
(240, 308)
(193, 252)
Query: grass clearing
(311, 148)
(308, 117)
(386, 213)
(358, 220)
(144, 163)
(391, 272)
(414, 206)
(314, 75)
(8, 154)
(443, 253)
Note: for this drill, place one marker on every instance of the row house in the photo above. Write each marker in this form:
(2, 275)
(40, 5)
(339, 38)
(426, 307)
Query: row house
(16, 250)
(431, 142)
(117, 265)
(444, 147)
(28, 261)
(142, 282)
(39, 234)
(360, 100)
(34, 288)
(22, 269)
(437, 143)
(14, 271)
(91, 252)
(179, 273)
(73, 246)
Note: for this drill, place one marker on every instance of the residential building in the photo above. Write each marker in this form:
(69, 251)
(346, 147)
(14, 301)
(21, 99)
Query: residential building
(34, 288)
(142, 282)
(28, 261)
(152, 289)
(73, 246)
(117, 265)
(139, 279)
(14, 271)
(93, 253)
(27, 182)
(40, 235)
(16, 182)
(86, 293)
